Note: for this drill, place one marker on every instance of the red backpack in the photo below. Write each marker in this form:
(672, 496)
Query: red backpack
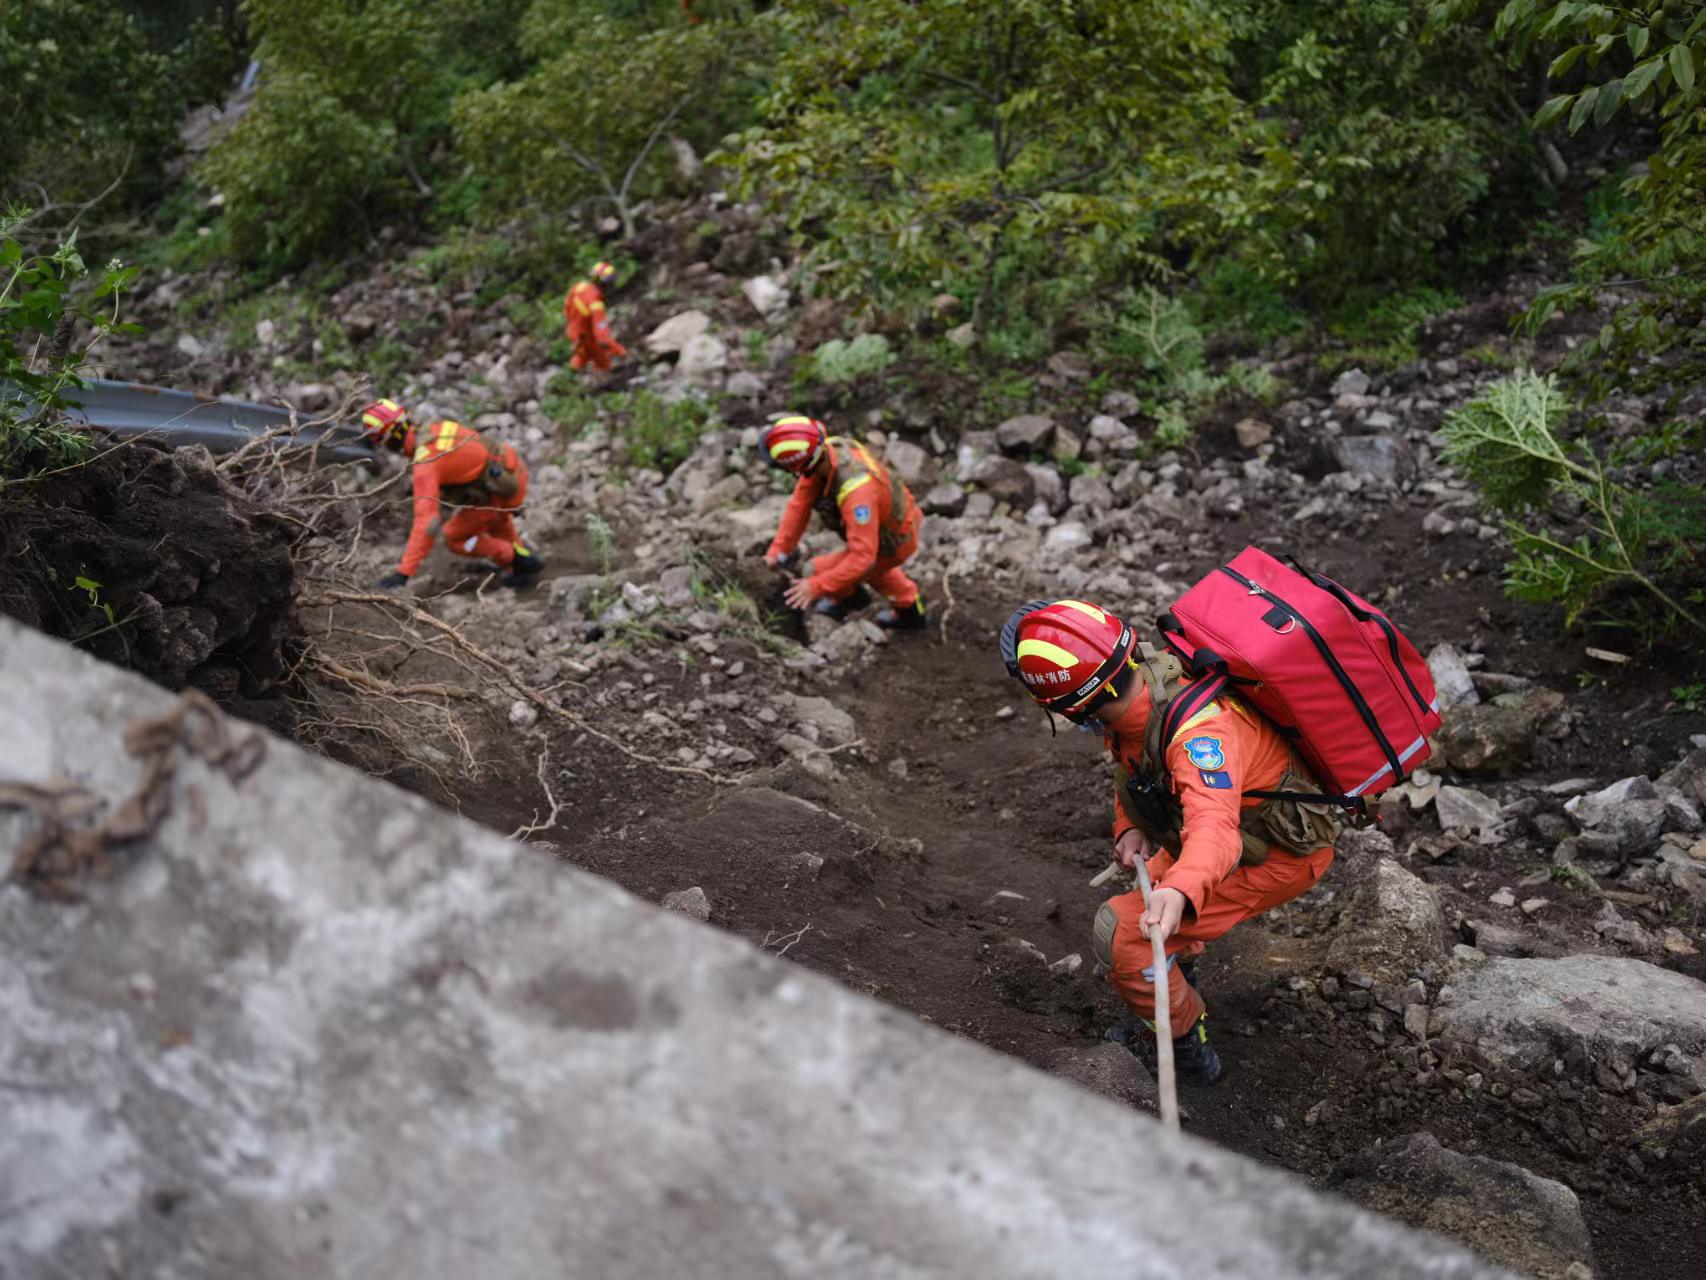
(1328, 669)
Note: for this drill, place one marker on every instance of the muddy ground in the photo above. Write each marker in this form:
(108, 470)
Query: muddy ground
(959, 793)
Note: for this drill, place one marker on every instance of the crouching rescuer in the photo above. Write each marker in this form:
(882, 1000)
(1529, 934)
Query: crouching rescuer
(1207, 791)
(484, 481)
(863, 501)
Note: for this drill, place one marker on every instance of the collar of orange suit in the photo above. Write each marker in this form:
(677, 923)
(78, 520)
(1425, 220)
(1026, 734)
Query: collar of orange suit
(1134, 720)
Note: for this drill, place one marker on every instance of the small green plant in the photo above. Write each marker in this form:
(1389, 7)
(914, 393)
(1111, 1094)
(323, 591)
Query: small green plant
(840, 363)
(602, 539)
(1383, 329)
(1689, 697)
(39, 360)
(661, 433)
(757, 347)
(1578, 535)
(89, 587)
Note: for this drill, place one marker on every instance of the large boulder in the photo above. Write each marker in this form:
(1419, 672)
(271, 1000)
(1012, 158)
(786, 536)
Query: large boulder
(1391, 923)
(703, 360)
(1605, 1012)
(908, 460)
(1496, 737)
(1508, 1215)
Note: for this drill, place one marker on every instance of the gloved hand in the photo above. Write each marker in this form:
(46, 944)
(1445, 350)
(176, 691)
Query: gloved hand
(777, 559)
(392, 580)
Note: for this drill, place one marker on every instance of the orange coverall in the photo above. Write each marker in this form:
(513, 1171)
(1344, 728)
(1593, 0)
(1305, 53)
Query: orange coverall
(449, 454)
(1216, 756)
(857, 497)
(587, 326)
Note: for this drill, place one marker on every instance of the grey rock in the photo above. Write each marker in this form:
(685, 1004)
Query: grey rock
(1066, 537)
(1050, 488)
(189, 345)
(1452, 681)
(908, 460)
(1108, 1069)
(675, 586)
(1027, 433)
(1391, 924)
(834, 726)
(1494, 737)
(1385, 458)
(963, 336)
(691, 903)
(1505, 1213)
(1121, 404)
(309, 397)
(1689, 776)
(702, 361)
(1352, 382)
(1462, 807)
(1067, 446)
(1252, 433)
(1629, 811)
(743, 384)
(1089, 491)
(673, 335)
(947, 499)
(725, 492)
(523, 714)
(1005, 481)
(1610, 1009)
(768, 297)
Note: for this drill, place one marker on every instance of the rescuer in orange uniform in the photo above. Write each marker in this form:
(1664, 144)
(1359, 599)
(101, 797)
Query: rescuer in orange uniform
(862, 500)
(586, 324)
(1217, 854)
(453, 463)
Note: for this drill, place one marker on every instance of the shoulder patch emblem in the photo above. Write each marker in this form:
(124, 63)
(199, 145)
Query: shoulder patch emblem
(862, 514)
(1219, 780)
(1205, 753)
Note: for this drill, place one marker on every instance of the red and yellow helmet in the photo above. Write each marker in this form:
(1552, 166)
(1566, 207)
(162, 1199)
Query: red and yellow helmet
(386, 425)
(603, 272)
(1073, 657)
(794, 442)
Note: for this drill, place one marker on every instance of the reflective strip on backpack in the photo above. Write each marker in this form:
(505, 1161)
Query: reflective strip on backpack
(1385, 769)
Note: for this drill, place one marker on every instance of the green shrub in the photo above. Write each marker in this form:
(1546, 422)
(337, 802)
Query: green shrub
(39, 358)
(660, 434)
(839, 363)
(1580, 537)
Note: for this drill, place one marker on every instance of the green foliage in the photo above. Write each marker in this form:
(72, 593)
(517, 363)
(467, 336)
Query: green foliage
(1400, 123)
(1650, 60)
(352, 115)
(1690, 697)
(1382, 327)
(602, 539)
(39, 361)
(1579, 537)
(922, 146)
(1237, 301)
(840, 363)
(661, 433)
(583, 129)
(90, 103)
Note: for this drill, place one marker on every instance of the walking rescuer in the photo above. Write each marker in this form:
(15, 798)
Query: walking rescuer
(450, 463)
(1233, 816)
(863, 501)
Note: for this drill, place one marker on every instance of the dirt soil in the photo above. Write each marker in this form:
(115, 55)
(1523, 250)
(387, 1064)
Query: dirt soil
(959, 793)
(145, 558)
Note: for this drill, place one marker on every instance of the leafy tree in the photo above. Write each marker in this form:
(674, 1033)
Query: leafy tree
(1407, 135)
(88, 105)
(584, 129)
(1648, 60)
(977, 144)
(352, 118)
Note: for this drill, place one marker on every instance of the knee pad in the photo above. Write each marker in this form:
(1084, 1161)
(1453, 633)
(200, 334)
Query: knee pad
(1102, 932)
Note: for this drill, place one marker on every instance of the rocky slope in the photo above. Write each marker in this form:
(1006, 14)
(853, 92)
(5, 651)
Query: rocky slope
(1513, 967)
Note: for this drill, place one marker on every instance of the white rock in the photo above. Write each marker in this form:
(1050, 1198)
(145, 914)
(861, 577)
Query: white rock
(689, 902)
(1451, 678)
(1352, 382)
(190, 346)
(767, 296)
(1066, 536)
(703, 359)
(962, 336)
(1466, 808)
(677, 331)
(522, 714)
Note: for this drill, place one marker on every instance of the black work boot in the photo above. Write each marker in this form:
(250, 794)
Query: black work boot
(1194, 1056)
(524, 570)
(838, 607)
(911, 618)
